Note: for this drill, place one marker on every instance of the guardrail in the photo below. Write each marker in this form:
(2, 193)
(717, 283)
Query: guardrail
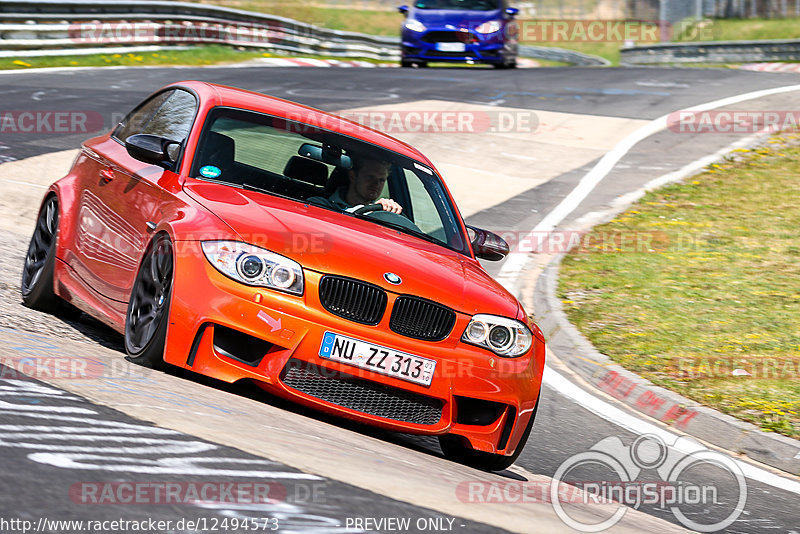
(37, 24)
(563, 55)
(712, 52)
(55, 25)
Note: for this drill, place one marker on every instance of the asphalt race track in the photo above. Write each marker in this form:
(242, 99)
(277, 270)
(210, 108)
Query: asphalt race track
(70, 446)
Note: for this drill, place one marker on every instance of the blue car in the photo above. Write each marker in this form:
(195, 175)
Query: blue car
(462, 31)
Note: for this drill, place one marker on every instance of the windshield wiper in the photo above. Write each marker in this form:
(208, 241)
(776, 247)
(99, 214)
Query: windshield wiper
(403, 228)
(251, 187)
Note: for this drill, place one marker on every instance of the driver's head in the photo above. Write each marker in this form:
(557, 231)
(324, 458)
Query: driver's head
(367, 179)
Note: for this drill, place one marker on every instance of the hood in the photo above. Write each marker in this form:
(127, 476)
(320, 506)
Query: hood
(333, 243)
(458, 18)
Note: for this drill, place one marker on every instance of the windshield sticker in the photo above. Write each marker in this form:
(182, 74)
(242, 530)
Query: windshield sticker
(423, 168)
(210, 171)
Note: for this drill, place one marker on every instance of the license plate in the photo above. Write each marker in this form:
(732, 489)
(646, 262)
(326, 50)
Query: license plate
(450, 47)
(376, 358)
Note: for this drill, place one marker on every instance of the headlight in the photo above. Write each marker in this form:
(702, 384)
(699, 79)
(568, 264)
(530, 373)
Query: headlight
(501, 335)
(490, 26)
(255, 266)
(414, 25)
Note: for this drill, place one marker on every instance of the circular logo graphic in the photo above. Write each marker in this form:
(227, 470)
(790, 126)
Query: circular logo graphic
(687, 474)
(210, 171)
(392, 278)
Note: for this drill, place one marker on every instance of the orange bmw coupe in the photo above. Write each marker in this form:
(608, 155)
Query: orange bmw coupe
(246, 237)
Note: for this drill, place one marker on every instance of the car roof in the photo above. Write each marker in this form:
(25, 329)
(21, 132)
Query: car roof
(244, 99)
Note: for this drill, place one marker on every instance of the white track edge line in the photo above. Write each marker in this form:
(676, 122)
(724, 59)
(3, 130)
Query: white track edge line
(515, 262)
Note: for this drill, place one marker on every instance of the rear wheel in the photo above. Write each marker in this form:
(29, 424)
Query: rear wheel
(40, 261)
(148, 308)
(454, 449)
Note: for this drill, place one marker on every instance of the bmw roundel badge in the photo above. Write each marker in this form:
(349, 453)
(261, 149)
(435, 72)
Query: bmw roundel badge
(392, 278)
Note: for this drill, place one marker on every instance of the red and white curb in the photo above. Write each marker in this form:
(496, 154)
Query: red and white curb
(309, 62)
(772, 67)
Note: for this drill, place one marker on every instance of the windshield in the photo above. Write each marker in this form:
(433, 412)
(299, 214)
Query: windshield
(466, 5)
(334, 171)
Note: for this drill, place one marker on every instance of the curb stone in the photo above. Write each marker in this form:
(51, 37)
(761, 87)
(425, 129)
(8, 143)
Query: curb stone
(772, 67)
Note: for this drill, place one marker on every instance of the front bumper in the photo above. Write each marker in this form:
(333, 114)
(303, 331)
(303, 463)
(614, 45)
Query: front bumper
(231, 332)
(435, 45)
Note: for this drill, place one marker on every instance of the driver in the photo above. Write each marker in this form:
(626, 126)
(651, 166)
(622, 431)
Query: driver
(367, 178)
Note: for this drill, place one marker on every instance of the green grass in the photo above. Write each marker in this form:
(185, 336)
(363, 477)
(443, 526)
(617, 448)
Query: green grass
(707, 282)
(375, 21)
(201, 55)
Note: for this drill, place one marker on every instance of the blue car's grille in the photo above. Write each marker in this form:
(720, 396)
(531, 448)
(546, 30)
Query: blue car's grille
(436, 36)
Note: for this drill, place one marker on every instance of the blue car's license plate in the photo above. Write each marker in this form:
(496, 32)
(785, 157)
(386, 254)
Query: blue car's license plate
(450, 47)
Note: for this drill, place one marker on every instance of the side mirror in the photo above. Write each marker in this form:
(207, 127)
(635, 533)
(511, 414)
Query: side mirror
(488, 245)
(512, 11)
(403, 9)
(150, 149)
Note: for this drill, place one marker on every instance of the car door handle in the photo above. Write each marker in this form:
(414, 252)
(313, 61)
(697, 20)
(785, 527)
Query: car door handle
(106, 175)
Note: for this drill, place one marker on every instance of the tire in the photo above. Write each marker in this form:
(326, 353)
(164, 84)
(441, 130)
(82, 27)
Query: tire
(510, 64)
(454, 449)
(148, 308)
(37, 286)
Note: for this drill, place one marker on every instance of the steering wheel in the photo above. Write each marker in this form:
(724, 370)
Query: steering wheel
(368, 208)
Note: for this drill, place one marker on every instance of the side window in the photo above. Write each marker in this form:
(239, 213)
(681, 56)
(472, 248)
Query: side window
(168, 114)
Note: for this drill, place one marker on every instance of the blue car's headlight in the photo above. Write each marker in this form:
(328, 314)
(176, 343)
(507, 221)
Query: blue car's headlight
(501, 335)
(255, 266)
(414, 25)
(487, 27)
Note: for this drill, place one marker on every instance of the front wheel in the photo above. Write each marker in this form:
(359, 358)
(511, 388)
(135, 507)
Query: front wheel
(148, 308)
(37, 273)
